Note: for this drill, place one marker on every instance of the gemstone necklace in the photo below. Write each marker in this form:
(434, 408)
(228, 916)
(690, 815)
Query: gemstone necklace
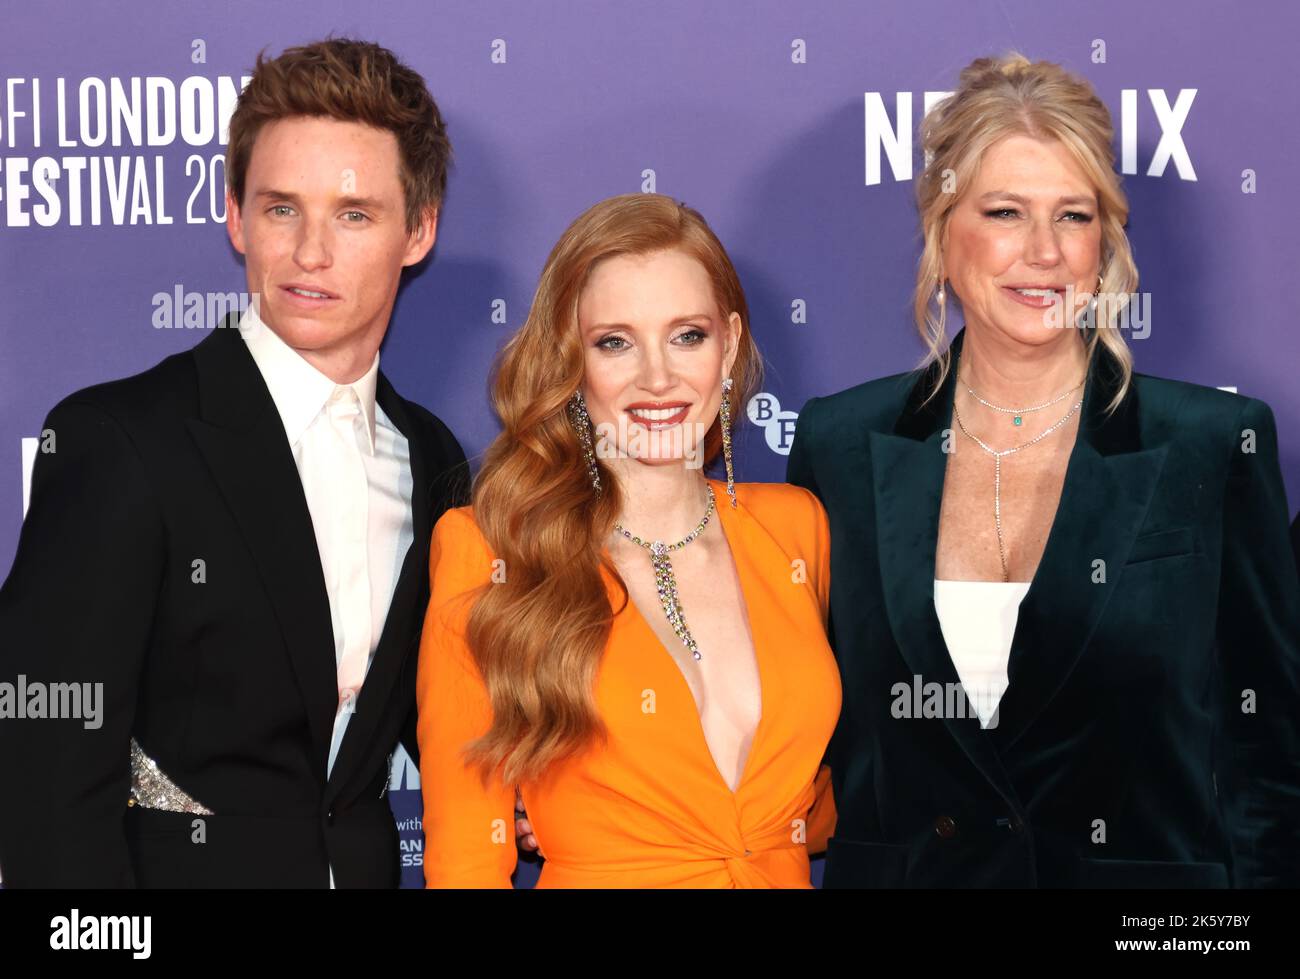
(997, 465)
(665, 582)
(1017, 413)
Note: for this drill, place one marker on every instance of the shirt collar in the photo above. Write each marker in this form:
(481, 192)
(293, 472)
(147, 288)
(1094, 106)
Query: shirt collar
(298, 389)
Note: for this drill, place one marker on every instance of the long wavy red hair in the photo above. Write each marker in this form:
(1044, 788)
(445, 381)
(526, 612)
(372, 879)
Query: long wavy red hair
(538, 636)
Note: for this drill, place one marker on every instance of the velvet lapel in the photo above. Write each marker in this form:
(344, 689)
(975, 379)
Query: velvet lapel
(908, 467)
(1109, 482)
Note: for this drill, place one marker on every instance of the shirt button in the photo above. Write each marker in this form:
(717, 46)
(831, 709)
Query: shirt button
(945, 827)
(749, 853)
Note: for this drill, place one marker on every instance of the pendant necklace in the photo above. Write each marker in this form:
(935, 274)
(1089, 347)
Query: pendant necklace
(1018, 413)
(665, 582)
(998, 454)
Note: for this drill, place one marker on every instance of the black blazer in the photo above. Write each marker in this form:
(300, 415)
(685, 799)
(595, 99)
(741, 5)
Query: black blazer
(227, 682)
(1122, 755)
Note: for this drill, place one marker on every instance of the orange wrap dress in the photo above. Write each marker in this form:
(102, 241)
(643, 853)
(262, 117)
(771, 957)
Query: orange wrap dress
(649, 808)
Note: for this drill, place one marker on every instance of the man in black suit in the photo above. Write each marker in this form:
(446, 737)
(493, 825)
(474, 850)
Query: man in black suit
(228, 554)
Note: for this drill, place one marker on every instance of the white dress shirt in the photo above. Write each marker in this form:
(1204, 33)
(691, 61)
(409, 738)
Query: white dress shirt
(355, 468)
(978, 620)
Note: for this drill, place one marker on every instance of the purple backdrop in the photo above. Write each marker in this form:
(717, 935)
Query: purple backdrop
(757, 113)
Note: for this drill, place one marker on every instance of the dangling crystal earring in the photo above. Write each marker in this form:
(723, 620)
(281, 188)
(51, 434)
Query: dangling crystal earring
(582, 425)
(941, 297)
(725, 411)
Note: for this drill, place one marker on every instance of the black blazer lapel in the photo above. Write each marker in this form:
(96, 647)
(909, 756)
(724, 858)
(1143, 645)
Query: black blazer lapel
(405, 611)
(1109, 482)
(241, 438)
(908, 469)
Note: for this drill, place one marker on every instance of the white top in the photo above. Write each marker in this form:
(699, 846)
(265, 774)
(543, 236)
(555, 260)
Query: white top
(355, 468)
(978, 619)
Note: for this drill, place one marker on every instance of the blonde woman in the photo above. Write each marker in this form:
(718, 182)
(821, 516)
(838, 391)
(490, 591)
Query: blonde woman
(1065, 611)
(638, 648)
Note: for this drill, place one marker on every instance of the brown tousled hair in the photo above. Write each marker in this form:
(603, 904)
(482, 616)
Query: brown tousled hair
(352, 81)
(538, 637)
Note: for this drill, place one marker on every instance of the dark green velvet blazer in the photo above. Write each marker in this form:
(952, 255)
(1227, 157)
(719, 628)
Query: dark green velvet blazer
(1149, 734)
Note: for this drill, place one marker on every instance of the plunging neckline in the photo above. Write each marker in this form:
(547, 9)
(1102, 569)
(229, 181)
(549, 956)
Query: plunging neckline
(1030, 595)
(724, 519)
(1052, 527)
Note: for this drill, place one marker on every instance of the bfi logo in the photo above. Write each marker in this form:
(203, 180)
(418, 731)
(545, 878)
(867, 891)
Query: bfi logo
(893, 142)
(764, 410)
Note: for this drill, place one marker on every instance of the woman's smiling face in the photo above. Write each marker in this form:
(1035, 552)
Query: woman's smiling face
(657, 349)
(1026, 229)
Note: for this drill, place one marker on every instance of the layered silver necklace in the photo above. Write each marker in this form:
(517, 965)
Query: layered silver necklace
(665, 582)
(1019, 413)
(998, 454)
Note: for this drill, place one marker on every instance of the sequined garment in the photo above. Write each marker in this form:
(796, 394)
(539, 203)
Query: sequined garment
(152, 789)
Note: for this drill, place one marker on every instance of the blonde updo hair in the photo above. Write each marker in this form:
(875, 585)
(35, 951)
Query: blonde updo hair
(1013, 96)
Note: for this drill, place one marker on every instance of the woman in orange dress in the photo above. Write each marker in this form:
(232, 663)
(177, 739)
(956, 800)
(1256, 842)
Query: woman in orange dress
(638, 649)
